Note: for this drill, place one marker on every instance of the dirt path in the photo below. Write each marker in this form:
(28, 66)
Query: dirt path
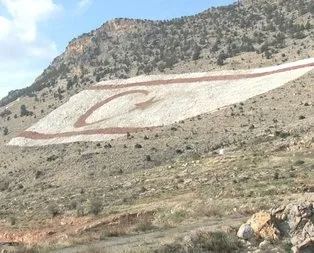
(149, 241)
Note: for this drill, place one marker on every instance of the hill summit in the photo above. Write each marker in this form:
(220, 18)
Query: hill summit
(124, 48)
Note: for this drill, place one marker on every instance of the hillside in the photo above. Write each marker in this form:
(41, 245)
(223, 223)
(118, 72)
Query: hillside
(183, 187)
(124, 48)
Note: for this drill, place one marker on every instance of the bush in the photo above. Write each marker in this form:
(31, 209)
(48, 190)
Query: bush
(282, 134)
(4, 185)
(301, 117)
(299, 162)
(25, 112)
(138, 145)
(215, 242)
(144, 226)
(94, 250)
(5, 131)
(201, 242)
(12, 220)
(221, 59)
(53, 210)
(114, 231)
(95, 206)
(5, 113)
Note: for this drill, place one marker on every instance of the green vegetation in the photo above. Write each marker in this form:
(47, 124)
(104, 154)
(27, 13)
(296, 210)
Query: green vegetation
(24, 111)
(203, 241)
(95, 206)
(5, 131)
(146, 46)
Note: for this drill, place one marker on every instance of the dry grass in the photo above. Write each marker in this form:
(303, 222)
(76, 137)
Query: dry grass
(238, 183)
(202, 241)
(94, 250)
(144, 226)
(114, 232)
(213, 209)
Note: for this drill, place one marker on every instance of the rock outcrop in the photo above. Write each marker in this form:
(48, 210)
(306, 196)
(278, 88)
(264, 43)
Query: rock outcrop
(294, 221)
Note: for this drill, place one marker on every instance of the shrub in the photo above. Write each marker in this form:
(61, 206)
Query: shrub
(4, 185)
(282, 134)
(95, 206)
(221, 58)
(196, 53)
(53, 210)
(5, 113)
(144, 226)
(114, 231)
(148, 158)
(94, 250)
(299, 162)
(12, 220)
(301, 117)
(37, 174)
(5, 131)
(215, 242)
(138, 145)
(268, 54)
(25, 112)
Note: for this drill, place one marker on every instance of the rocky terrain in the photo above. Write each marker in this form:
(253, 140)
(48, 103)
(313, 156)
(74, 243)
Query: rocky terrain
(109, 110)
(200, 178)
(294, 221)
(278, 31)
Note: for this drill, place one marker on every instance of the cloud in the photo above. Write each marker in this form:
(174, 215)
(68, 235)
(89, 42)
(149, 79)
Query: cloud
(21, 78)
(21, 43)
(26, 14)
(5, 27)
(83, 5)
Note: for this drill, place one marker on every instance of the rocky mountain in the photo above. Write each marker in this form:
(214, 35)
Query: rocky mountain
(185, 187)
(123, 48)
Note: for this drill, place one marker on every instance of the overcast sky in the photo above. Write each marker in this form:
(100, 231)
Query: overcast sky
(33, 32)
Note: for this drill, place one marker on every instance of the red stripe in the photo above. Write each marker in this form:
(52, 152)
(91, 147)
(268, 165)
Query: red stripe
(114, 130)
(82, 120)
(124, 130)
(197, 79)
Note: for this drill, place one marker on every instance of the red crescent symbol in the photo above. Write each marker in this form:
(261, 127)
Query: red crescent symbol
(81, 122)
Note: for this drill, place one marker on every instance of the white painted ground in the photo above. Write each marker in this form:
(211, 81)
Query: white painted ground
(171, 103)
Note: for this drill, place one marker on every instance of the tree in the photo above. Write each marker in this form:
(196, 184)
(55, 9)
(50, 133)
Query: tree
(5, 131)
(221, 58)
(25, 112)
(69, 84)
(98, 77)
(197, 53)
(268, 54)
(5, 113)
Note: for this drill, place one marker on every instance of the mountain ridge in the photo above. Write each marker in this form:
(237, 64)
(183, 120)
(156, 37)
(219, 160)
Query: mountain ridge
(123, 48)
(164, 185)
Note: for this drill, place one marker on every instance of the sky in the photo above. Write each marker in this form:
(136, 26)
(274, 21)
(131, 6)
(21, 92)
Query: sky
(34, 32)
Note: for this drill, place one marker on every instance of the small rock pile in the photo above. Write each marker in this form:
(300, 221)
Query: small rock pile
(293, 221)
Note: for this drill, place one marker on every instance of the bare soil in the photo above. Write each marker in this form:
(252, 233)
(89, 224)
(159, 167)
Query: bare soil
(174, 170)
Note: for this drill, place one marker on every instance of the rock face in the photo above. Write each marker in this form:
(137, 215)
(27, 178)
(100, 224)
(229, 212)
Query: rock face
(123, 47)
(263, 226)
(294, 221)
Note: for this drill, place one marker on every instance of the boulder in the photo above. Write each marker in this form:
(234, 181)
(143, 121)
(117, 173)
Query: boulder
(245, 232)
(263, 226)
(294, 221)
(264, 245)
